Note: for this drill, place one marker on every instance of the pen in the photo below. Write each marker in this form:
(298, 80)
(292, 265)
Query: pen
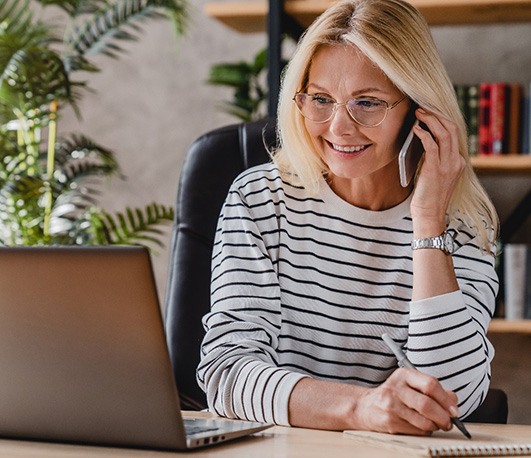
(404, 362)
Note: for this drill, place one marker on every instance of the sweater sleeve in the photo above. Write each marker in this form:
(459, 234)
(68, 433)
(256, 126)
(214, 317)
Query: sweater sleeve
(238, 368)
(447, 333)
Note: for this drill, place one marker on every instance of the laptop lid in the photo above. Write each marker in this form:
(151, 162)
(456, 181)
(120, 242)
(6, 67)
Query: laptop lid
(83, 355)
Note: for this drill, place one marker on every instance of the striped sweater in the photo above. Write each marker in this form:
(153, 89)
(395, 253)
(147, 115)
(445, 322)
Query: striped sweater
(305, 286)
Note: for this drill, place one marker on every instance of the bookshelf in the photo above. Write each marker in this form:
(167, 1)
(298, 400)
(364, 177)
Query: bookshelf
(251, 16)
(502, 326)
(293, 16)
(514, 164)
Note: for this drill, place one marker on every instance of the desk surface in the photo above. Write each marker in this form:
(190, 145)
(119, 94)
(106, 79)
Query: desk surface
(275, 442)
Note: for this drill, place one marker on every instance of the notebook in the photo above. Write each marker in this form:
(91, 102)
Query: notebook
(448, 443)
(83, 355)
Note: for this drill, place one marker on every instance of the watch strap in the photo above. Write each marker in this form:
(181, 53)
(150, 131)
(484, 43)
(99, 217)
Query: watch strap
(443, 242)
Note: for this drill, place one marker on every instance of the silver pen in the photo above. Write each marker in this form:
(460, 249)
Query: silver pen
(404, 362)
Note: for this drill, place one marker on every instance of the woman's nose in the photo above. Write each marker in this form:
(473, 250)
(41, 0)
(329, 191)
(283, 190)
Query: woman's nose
(341, 121)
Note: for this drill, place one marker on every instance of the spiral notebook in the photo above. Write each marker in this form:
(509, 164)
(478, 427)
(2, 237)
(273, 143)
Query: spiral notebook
(490, 441)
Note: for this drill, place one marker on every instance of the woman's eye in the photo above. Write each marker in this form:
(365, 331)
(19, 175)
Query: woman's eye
(320, 100)
(368, 104)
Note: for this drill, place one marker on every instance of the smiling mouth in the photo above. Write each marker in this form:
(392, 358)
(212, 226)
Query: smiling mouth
(348, 149)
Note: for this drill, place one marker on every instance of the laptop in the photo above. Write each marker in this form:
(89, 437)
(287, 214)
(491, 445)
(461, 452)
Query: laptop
(83, 355)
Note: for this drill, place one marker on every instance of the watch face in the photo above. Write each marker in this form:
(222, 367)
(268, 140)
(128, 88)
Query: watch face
(449, 243)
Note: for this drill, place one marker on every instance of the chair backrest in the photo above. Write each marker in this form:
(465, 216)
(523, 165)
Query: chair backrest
(211, 164)
(495, 408)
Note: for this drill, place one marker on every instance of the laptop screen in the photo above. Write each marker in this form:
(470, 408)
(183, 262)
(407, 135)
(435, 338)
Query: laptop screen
(83, 355)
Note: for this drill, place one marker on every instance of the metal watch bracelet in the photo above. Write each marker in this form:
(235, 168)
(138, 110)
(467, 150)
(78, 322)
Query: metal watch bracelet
(443, 242)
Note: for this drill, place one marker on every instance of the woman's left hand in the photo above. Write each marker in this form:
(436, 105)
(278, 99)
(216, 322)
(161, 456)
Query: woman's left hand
(440, 171)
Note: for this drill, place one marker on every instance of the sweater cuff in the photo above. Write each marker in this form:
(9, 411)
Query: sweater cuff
(285, 387)
(437, 304)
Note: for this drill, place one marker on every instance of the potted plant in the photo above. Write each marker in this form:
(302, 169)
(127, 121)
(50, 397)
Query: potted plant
(248, 82)
(48, 182)
(249, 88)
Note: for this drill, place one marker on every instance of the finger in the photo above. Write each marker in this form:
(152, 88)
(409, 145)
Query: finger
(395, 415)
(451, 405)
(441, 145)
(428, 142)
(429, 399)
(408, 426)
(411, 415)
(443, 131)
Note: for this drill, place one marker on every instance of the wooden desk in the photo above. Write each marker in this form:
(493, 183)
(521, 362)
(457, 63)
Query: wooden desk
(278, 442)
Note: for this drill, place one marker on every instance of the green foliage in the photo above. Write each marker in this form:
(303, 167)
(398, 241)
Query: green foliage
(48, 184)
(133, 226)
(247, 80)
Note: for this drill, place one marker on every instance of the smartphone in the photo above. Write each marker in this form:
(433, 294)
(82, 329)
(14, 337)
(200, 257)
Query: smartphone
(409, 157)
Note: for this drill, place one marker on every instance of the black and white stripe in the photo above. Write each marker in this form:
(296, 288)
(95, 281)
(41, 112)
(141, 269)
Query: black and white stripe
(306, 286)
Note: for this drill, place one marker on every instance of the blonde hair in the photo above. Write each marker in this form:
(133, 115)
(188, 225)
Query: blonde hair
(397, 39)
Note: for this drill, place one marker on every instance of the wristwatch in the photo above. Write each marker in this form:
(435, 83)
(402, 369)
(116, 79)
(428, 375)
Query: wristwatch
(443, 242)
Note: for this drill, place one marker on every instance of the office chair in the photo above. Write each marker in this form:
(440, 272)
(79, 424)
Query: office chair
(211, 164)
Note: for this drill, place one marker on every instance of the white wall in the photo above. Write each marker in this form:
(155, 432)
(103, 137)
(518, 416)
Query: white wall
(153, 102)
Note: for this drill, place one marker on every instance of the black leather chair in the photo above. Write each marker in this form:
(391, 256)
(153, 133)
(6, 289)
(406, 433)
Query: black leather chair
(495, 408)
(211, 164)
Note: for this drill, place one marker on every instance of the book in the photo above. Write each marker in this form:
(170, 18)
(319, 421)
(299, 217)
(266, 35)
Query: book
(527, 287)
(447, 443)
(472, 117)
(516, 278)
(497, 118)
(461, 95)
(514, 118)
(484, 138)
(525, 139)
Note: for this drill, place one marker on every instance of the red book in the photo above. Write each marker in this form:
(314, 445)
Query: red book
(514, 129)
(498, 121)
(484, 139)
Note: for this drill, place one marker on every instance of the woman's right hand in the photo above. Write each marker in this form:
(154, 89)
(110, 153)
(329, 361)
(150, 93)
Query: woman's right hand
(408, 402)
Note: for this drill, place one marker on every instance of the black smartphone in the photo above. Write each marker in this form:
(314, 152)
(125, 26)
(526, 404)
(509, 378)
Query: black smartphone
(409, 156)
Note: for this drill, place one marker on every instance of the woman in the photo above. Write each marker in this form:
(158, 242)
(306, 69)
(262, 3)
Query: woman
(320, 253)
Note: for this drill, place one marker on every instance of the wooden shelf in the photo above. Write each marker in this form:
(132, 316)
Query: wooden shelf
(502, 326)
(251, 16)
(507, 163)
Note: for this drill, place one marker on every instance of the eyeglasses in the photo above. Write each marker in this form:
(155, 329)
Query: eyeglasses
(366, 111)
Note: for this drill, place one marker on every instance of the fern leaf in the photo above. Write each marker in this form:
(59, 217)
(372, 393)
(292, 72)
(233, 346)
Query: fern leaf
(135, 226)
(76, 7)
(15, 16)
(97, 34)
(79, 147)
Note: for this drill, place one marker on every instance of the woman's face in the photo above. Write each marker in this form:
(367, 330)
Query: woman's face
(352, 151)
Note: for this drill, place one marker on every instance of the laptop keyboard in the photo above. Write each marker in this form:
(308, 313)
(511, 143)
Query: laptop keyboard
(197, 426)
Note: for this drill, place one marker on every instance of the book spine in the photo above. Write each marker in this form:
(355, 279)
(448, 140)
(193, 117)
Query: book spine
(514, 119)
(484, 139)
(461, 94)
(498, 106)
(514, 273)
(526, 123)
(473, 119)
(527, 284)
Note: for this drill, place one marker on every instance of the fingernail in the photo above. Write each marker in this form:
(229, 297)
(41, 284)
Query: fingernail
(453, 411)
